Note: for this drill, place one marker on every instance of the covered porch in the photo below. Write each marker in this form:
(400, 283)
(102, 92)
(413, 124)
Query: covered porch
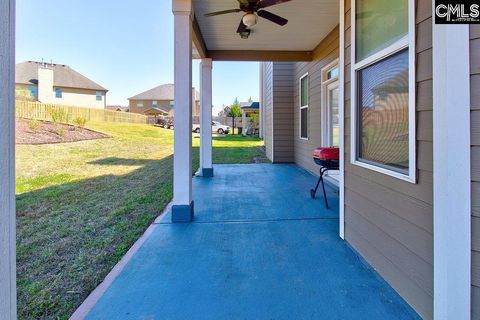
(237, 260)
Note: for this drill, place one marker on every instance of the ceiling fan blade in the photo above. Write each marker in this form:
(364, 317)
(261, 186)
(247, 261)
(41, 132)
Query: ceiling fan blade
(211, 14)
(272, 17)
(241, 27)
(269, 3)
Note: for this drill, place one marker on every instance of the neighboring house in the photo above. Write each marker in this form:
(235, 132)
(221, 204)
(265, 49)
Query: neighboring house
(118, 108)
(58, 84)
(249, 108)
(160, 101)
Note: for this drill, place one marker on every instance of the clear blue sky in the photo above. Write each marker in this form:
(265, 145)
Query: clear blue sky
(124, 45)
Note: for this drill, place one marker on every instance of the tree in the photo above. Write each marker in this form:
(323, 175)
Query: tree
(233, 112)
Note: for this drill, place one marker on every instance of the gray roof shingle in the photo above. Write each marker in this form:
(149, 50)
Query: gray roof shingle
(162, 92)
(63, 76)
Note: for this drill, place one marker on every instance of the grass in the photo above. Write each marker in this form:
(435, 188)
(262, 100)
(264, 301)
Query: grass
(80, 206)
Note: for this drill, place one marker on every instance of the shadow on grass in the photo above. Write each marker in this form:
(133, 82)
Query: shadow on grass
(70, 236)
(236, 137)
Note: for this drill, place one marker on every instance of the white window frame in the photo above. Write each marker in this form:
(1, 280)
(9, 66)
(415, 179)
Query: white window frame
(302, 107)
(407, 41)
(140, 104)
(58, 96)
(98, 96)
(326, 125)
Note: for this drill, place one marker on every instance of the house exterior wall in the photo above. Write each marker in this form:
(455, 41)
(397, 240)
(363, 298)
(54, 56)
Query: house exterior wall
(327, 52)
(282, 101)
(147, 104)
(267, 108)
(475, 154)
(387, 220)
(80, 98)
(278, 83)
(70, 96)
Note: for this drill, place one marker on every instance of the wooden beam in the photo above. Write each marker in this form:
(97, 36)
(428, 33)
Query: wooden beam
(328, 45)
(8, 304)
(256, 55)
(198, 41)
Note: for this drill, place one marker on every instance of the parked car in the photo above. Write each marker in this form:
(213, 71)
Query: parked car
(217, 127)
(165, 123)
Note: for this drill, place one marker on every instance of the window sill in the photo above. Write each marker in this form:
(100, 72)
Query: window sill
(305, 139)
(408, 178)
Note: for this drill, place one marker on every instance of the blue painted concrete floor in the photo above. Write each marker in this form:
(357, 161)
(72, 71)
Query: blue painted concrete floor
(259, 248)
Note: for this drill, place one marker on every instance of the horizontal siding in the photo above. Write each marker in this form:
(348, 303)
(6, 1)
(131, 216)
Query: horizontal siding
(282, 101)
(325, 53)
(390, 221)
(475, 164)
(267, 68)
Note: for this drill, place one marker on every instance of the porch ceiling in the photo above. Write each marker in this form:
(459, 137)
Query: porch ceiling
(309, 22)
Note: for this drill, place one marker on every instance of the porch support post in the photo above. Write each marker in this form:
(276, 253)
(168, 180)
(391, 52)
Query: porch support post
(260, 109)
(182, 209)
(206, 167)
(244, 123)
(8, 303)
(451, 171)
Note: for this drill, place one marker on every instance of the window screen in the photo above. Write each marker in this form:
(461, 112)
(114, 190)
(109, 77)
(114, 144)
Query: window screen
(304, 107)
(383, 113)
(304, 123)
(379, 23)
(304, 91)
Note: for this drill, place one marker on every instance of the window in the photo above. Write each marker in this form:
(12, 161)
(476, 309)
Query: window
(98, 96)
(333, 73)
(383, 87)
(330, 125)
(304, 100)
(58, 92)
(33, 91)
(140, 104)
(154, 103)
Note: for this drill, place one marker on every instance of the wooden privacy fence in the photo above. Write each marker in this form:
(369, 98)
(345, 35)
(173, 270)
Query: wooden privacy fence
(44, 111)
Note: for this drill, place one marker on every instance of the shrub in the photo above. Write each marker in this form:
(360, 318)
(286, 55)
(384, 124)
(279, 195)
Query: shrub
(59, 115)
(80, 121)
(34, 125)
(61, 133)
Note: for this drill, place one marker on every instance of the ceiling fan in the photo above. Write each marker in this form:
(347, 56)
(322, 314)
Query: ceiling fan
(252, 9)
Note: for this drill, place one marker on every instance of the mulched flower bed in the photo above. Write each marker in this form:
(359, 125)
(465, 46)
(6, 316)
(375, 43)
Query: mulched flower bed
(42, 132)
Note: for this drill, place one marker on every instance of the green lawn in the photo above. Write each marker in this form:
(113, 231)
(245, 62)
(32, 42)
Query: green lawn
(81, 205)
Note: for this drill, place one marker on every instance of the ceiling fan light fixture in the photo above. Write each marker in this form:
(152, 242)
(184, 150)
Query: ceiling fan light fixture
(245, 34)
(250, 19)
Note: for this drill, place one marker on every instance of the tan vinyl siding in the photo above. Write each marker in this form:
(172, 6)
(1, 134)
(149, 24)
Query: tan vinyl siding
(282, 97)
(325, 53)
(475, 154)
(387, 220)
(278, 110)
(268, 108)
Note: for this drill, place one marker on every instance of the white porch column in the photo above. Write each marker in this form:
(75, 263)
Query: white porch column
(182, 209)
(244, 123)
(8, 304)
(260, 100)
(206, 167)
(451, 171)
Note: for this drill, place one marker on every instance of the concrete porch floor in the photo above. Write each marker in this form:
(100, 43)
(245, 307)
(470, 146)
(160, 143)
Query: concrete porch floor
(259, 248)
